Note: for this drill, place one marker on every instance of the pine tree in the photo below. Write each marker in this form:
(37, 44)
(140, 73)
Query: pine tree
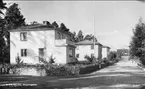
(14, 17)
(63, 27)
(55, 25)
(80, 36)
(137, 45)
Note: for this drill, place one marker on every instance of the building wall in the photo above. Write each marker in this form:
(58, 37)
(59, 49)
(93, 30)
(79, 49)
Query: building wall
(83, 50)
(105, 52)
(36, 40)
(99, 51)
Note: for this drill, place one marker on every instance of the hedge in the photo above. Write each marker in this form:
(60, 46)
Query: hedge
(57, 70)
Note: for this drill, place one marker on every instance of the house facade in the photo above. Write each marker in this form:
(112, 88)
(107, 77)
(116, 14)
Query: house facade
(34, 43)
(105, 51)
(88, 47)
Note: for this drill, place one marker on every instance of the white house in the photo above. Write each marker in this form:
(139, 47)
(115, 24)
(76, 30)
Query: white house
(105, 51)
(34, 42)
(87, 47)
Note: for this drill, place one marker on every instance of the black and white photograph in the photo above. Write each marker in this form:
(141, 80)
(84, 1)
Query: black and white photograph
(77, 44)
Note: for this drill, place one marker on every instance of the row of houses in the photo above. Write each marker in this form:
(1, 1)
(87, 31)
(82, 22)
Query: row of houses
(34, 42)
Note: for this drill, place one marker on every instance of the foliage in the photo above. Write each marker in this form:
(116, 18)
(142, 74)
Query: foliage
(137, 45)
(51, 59)
(57, 70)
(112, 55)
(47, 23)
(73, 37)
(80, 36)
(90, 37)
(4, 68)
(13, 17)
(91, 59)
(3, 44)
(33, 22)
(18, 60)
(55, 25)
(65, 70)
(63, 27)
(2, 6)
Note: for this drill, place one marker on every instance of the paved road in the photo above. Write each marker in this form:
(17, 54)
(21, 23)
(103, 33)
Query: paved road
(123, 75)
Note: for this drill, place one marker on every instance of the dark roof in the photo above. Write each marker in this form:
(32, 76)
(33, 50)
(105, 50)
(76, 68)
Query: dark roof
(88, 42)
(36, 27)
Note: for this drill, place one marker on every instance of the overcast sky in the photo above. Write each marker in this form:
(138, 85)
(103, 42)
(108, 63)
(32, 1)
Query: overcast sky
(113, 21)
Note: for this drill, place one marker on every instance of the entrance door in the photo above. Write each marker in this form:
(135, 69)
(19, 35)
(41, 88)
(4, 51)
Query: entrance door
(41, 54)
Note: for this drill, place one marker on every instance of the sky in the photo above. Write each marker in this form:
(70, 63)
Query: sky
(111, 21)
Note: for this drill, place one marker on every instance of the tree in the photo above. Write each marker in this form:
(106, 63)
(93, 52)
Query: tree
(63, 27)
(55, 25)
(47, 23)
(13, 17)
(2, 6)
(33, 22)
(90, 37)
(2, 25)
(80, 36)
(137, 45)
(73, 37)
(112, 55)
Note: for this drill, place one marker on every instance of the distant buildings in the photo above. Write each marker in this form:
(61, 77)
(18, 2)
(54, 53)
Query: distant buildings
(123, 52)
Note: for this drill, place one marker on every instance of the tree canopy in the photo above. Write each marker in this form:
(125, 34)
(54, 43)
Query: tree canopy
(90, 37)
(137, 45)
(55, 25)
(2, 6)
(13, 17)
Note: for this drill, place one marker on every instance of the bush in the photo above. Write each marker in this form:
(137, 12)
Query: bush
(65, 70)
(112, 55)
(18, 60)
(4, 68)
(91, 59)
(51, 59)
(70, 69)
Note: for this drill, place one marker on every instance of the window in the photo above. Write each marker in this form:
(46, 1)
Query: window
(92, 46)
(23, 36)
(23, 52)
(41, 52)
(77, 55)
(70, 52)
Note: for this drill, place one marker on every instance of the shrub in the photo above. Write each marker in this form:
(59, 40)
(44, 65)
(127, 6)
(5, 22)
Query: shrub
(51, 59)
(112, 55)
(4, 68)
(18, 60)
(91, 59)
(46, 62)
(65, 70)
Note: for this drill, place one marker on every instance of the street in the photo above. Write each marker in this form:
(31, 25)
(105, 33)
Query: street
(123, 75)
